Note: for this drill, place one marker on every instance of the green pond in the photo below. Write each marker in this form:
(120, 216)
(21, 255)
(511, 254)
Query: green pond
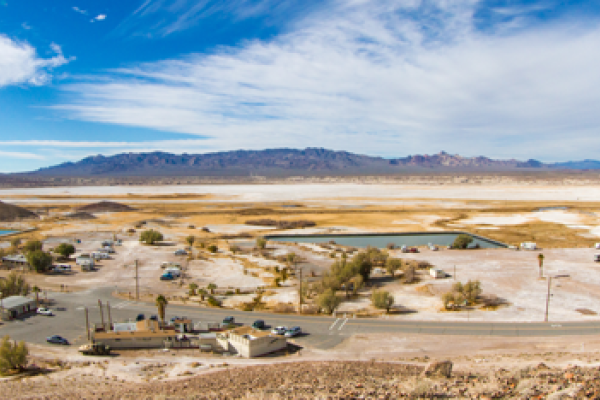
(381, 240)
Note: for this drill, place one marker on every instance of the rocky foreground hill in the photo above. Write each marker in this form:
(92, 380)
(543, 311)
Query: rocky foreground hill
(325, 380)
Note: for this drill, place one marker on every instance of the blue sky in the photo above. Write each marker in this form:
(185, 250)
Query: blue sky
(502, 78)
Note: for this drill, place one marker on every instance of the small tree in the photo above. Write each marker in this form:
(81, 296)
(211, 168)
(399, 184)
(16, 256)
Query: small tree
(392, 265)
(211, 287)
(37, 291)
(382, 299)
(328, 301)
(471, 291)
(447, 298)
(13, 355)
(32, 245)
(190, 240)
(261, 243)
(66, 250)
(14, 285)
(541, 264)
(151, 237)
(161, 304)
(213, 248)
(15, 242)
(202, 293)
(462, 241)
(193, 287)
(39, 261)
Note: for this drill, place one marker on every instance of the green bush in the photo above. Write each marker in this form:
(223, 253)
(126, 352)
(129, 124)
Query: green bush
(382, 299)
(213, 248)
(462, 241)
(13, 355)
(39, 261)
(151, 236)
(32, 245)
(66, 250)
(213, 302)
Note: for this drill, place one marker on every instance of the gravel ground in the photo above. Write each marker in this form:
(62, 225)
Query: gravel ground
(327, 380)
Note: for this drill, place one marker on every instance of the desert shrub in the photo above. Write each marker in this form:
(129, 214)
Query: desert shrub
(32, 245)
(13, 355)
(261, 243)
(213, 302)
(39, 260)
(14, 285)
(229, 293)
(212, 248)
(382, 299)
(462, 241)
(151, 237)
(283, 308)
(328, 301)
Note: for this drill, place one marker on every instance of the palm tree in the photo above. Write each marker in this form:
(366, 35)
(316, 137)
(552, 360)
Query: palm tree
(193, 288)
(541, 264)
(36, 290)
(161, 303)
(211, 287)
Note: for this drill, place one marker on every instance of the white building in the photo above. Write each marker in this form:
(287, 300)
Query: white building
(249, 342)
(14, 306)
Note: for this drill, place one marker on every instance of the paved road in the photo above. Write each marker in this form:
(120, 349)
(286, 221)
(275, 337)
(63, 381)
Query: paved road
(322, 332)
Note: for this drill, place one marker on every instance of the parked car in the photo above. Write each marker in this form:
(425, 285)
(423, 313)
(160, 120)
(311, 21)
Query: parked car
(62, 268)
(295, 331)
(259, 324)
(404, 249)
(175, 318)
(167, 277)
(228, 320)
(180, 252)
(140, 317)
(153, 318)
(109, 250)
(597, 258)
(413, 250)
(57, 340)
(280, 330)
(45, 311)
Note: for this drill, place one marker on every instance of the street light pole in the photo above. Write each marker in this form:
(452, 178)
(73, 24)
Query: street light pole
(548, 298)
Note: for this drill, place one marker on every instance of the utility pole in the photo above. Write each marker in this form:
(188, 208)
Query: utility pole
(137, 282)
(300, 293)
(548, 298)
(101, 314)
(109, 317)
(87, 323)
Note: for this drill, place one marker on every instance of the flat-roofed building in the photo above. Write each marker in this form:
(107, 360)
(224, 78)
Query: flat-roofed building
(147, 335)
(15, 306)
(17, 261)
(250, 342)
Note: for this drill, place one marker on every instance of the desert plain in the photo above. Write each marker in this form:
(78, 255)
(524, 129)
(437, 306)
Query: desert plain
(562, 218)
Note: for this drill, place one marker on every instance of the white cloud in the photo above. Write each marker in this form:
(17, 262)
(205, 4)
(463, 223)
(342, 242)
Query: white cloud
(20, 64)
(155, 144)
(21, 155)
(25, 26)
(389, 78)
(100, 17)
(79, 10)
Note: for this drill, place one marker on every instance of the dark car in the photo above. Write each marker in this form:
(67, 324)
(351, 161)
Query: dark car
(140, 317)
(295, 331)
(228, 321)
(259, 324)
(57, 340)
(414, 250)
(154, 318)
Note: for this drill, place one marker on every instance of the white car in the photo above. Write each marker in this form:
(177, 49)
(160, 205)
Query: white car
(280, 330)
(44, 311)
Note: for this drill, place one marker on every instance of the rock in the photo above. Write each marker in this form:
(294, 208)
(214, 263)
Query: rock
(438, 368)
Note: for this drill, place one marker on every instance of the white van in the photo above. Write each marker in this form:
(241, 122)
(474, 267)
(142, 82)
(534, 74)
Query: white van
(62, 268)
(176, 272)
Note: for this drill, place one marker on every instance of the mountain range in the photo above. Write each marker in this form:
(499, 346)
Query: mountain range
(287, 162)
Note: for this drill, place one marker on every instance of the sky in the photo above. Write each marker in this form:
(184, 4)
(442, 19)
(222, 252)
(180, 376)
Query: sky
(500, 78)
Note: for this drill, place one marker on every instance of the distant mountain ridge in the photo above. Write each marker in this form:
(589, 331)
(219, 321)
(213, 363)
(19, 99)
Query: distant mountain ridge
(277, 162)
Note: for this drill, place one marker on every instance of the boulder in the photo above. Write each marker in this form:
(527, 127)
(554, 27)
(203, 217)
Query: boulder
(438, 368)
